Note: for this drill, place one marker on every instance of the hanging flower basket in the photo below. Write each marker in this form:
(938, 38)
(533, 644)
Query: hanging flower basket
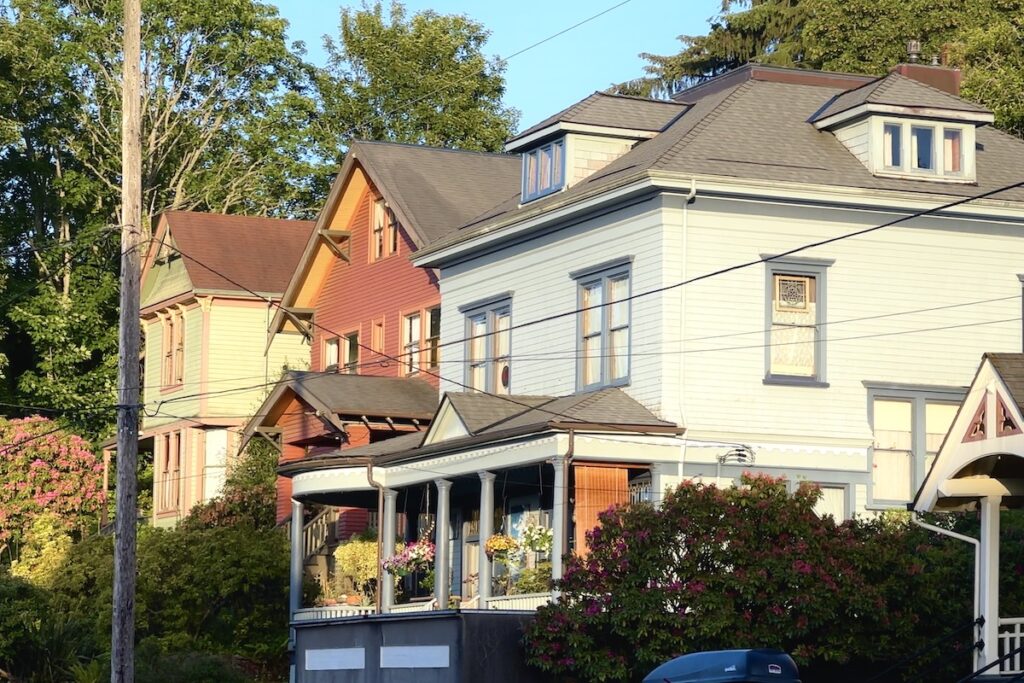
(536, 537)
(415, 557)
(500, 546)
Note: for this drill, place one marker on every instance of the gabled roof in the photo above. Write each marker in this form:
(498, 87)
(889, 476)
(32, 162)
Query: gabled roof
(431, 190)
(341, 398)
(434, 190)
(238, 253)
(613, 111)
(900, 91)
(755, 125)
(491, 418)
(1010, 367)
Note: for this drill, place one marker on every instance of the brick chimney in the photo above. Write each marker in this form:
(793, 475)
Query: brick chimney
(935, 75)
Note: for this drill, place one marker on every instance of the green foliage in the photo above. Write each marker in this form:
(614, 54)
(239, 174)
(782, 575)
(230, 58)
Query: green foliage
(985, 38)
(221, 590)
(356, 565)
(48, 469)
(249, 496)
(22, 608)
(432, 85)
(752, 567)
(534, 579)
(44, 551)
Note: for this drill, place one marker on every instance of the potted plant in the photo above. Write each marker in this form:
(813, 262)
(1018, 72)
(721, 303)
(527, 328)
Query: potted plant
(500, 546)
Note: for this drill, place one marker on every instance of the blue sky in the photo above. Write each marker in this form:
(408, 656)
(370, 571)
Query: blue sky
(560, 72)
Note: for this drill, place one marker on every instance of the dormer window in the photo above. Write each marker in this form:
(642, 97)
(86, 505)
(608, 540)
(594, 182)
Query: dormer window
(544, 170)
(923, 149)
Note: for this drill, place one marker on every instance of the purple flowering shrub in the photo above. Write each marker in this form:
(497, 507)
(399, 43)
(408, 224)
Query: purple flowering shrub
(43, 468)
(751, 566)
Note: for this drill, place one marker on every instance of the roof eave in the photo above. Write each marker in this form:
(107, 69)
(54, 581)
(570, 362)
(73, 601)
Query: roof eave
(562, 127)
(964, 116)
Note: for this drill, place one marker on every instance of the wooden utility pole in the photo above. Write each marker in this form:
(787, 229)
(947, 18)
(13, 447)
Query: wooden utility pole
(122, 649)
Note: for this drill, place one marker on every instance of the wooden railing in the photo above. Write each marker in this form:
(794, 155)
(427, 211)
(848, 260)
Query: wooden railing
(318, 530)
(1011, 637)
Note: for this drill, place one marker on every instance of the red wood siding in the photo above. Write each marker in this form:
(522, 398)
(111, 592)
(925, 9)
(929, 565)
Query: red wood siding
(355, 294)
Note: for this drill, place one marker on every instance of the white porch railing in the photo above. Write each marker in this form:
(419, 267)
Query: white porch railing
(1011, 636)
(424, 606)
(527, 602)
(332, 612)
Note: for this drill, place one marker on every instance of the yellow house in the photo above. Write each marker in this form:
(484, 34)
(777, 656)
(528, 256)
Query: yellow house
(206, 285)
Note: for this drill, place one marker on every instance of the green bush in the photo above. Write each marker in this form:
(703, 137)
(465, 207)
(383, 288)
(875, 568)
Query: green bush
(754, 566)
(534, 580)
(45, 551)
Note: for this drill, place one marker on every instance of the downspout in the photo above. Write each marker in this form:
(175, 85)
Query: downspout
(691, 196)
(569, 453)
(977, 562)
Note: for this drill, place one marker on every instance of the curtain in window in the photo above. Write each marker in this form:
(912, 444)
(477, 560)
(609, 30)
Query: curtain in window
(892, 469)
(794, 326)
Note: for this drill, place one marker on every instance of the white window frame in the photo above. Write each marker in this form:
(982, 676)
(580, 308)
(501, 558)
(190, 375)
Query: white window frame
(488, 313)
(533, 168)
(412, 346)
(350, 344)
(603, 276)
(332, 353)
(919, 396)
(906, 168)
(799, 267)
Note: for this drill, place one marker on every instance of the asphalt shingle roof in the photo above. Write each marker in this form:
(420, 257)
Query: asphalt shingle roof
(760, 129)
(1010, 367)
(898, 90)
(436, 189)
(614, 111)
(367, 395)
(238, 253)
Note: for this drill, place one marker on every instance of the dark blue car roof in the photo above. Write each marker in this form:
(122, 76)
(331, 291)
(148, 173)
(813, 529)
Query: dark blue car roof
(728, 666)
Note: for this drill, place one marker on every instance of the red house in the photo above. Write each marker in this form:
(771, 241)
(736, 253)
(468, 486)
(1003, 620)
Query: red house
(370, 317)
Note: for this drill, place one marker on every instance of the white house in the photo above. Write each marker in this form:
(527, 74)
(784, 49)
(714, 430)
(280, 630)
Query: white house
(694, 288)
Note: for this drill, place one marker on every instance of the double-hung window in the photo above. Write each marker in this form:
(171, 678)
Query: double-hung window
(331, 354)
(488, 340)
(384, 230)
(174, 348)
(433, 337)
(411, 331)
(544, 170)
(795, 322)
(604, 320)
(350, 348)
(925, 149)
(909, 425)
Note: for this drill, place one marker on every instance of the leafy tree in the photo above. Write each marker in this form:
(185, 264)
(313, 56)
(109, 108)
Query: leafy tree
(750, 567)
(45, 469)
(431, 85)
(985, 38)
(249, 496)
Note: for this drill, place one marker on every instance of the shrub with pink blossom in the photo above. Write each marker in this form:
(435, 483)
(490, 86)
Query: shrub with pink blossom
(46, 469)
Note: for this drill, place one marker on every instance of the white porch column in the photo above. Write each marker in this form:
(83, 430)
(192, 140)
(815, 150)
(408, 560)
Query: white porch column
(297, 561)
(989, 506)
(442, 578)
(558, 521)
(387, 532)
(664, 475)
(486, 530)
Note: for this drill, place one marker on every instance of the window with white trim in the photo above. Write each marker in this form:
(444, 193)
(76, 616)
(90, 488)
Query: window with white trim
(331, 353)
(544, 170)
(795, 337)
(433, 344)
(604, 321)
(411, 332)
(350, 348)
(832, 502)
(909, 426)
(174, 348)
(925, 149)
(488, 341)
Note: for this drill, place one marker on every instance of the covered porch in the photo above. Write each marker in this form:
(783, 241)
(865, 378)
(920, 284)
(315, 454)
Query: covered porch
(980, 466)
(499, 506)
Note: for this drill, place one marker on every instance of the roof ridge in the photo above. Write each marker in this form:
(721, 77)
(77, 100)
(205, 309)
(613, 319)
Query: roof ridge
(232, 216)
(705, 121)
(640, 98)
(931, 87)
(413, 145)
